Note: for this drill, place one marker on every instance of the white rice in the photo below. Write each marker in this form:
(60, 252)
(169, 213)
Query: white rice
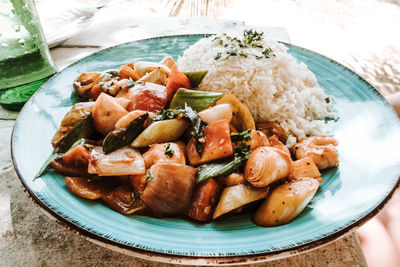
(275, 89)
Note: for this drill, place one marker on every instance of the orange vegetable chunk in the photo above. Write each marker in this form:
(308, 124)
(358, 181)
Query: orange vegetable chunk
(217, 144)
(175, 81)
(159, 153)
(204, 198)
(77, 157)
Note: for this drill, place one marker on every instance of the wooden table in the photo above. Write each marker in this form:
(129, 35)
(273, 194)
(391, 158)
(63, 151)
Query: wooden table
(28, 237)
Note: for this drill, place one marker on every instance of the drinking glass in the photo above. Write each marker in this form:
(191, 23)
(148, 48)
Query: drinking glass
(25, 61)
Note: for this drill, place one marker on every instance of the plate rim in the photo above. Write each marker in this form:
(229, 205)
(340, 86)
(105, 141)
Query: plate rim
(190, 259)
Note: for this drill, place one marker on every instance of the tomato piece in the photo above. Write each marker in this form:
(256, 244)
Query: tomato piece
(176, 80)
(217, 144)
(148, 97)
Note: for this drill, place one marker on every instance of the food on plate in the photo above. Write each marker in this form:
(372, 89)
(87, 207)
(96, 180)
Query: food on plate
(212, 141)
(261, 74)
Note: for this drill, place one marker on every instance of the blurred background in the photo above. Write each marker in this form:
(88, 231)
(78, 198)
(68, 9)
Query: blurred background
(361, 34)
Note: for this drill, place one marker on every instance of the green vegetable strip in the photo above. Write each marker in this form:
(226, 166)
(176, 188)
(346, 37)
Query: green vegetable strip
(198, 127)
(196, 77)
(124, 136)
(198, 100)
(82, 130)
(212, 170)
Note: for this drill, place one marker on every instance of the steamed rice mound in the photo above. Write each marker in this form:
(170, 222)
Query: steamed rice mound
(275, 89)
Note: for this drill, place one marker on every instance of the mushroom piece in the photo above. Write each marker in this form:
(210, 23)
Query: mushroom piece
(123, 200)
(84, 83)
(156, 76)
(286, 202)
(143, 67)
(77, 113)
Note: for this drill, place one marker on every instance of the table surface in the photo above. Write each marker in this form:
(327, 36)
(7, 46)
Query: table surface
(27, 236)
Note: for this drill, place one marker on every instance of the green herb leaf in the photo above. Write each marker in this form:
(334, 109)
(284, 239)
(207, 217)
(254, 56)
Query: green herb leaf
(212, 170)
(149, 175)
(198, 127)
(82, 130)
(243, 136)
(167, 114)
(124, 136)
(168, 151)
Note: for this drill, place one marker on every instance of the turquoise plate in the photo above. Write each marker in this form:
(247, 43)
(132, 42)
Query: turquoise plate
(368, 132)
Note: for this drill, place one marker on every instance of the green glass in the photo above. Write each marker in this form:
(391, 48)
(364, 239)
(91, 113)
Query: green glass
(25, 61)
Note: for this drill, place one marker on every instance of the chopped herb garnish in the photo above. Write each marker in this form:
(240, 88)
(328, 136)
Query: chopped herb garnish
(167, 114)
(243, 136)
(327, 100)
(198, 127)
(188, 113)
(168, 151)
(236, 47)
(149, 175)
(218, 56)
(241, 150)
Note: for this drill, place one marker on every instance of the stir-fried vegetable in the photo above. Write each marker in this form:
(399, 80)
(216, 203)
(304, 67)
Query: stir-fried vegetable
(216, 144)
(197, 100)
(124, 136)
(106, 112)
(123, 200)
(87, 188)
(204, 197)
(78, 112)
(286, 202)
(124, 161)
(234, 197)
(242, 118)
(170, 190)
(216, 113)
(161, 132)
(82, 130)
(150, 131)
(212, 170)
(196, 77)
(175, 81)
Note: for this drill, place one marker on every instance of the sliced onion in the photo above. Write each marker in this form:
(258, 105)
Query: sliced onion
(170, 189)
(216, 113)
